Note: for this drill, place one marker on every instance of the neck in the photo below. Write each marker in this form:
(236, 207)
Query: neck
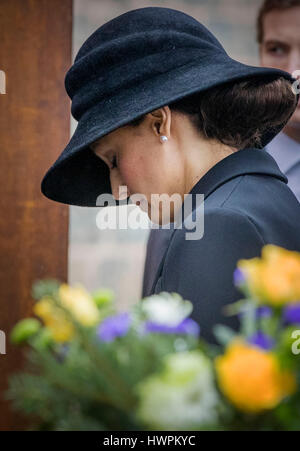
(292, 132)
(205, 155)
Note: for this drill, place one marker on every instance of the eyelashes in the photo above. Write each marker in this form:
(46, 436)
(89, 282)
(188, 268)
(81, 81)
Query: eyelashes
(114, 162)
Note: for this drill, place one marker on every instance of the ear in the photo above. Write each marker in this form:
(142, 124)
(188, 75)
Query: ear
(161, 121)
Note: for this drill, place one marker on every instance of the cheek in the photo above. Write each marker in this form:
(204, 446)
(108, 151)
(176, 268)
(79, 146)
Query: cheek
(150, 173)
(132, 172)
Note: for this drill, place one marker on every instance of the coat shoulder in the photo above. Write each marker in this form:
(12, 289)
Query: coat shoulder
(228, 236)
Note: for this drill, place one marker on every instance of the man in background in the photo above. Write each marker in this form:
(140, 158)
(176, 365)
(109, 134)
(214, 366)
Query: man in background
(278, 36)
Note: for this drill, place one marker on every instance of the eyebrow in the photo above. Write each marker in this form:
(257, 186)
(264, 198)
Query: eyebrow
(276, 42)
(95, 142)
(93, 147)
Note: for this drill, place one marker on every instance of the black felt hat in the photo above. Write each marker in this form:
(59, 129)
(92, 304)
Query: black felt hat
(137, 62)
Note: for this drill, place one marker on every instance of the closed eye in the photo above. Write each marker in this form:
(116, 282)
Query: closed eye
(114, 162)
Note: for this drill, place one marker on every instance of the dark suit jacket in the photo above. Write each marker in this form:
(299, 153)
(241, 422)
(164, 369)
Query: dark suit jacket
(247, 204)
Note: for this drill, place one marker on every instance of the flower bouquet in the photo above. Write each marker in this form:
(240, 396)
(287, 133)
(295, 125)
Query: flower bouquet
(92, 367)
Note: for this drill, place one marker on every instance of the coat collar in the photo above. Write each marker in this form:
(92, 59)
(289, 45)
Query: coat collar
(242, 162)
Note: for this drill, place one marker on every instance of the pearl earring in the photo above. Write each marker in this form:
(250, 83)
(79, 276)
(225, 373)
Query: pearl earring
(163, 138)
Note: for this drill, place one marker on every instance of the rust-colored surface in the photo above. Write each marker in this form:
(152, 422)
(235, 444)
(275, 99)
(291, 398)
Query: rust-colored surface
(35, 53)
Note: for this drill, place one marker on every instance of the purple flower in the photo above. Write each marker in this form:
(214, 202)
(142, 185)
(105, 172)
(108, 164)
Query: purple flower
(238, 277)
(261, 340)
(114, 326)
(187, 326)
(291, 313)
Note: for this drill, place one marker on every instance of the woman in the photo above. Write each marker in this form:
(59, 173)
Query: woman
(162, 108)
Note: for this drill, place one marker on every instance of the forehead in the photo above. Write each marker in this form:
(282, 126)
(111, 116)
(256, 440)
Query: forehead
(282, 25)
(109, 138)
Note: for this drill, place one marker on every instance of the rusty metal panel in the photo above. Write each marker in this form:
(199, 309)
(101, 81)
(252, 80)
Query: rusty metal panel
(35, 53)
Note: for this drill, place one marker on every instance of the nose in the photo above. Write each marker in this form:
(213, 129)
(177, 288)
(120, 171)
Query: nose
(119, 189)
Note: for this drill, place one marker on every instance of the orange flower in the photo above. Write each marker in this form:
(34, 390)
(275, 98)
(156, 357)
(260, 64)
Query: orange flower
(251, 378)
(275, 278)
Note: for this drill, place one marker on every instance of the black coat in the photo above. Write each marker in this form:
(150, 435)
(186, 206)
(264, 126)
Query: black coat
(247, 204)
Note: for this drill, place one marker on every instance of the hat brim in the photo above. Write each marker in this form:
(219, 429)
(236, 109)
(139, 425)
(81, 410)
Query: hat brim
(78, 176)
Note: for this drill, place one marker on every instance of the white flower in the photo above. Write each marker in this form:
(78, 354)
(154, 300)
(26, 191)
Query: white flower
(182, 396)
(166, 308)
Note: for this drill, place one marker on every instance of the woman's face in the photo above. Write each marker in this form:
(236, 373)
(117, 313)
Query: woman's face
(139, 160)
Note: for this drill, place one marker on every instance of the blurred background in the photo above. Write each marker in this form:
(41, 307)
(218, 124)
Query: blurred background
(115, 258)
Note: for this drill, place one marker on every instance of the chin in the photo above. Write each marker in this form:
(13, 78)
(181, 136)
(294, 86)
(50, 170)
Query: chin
(157, 217)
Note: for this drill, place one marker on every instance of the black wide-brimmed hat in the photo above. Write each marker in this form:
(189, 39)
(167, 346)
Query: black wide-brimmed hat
(139, 61)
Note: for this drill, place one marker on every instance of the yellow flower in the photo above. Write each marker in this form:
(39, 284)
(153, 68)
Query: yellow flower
(251, 378)
(80, 303)
(274, 278)
(55, 319)
(77, 301)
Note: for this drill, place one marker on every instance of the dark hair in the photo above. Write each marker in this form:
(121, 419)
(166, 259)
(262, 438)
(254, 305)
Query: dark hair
(238, 113)
(266, 7)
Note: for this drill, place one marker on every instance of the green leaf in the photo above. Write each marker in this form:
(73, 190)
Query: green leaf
(103, 296)
(24, 329)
